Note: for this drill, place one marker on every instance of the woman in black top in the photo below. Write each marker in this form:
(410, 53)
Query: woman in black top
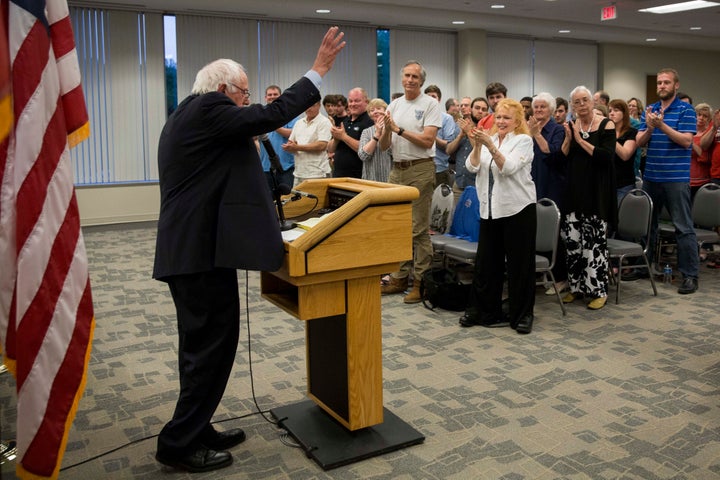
(625, 148)
(591, 201)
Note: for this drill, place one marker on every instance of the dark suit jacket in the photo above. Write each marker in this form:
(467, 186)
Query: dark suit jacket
(216, 208)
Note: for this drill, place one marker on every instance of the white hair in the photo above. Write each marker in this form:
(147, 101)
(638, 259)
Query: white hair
(547, 98)
(211, 76)
(578, 89)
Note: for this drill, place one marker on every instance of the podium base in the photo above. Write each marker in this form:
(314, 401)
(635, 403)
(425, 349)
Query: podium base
(331, 445)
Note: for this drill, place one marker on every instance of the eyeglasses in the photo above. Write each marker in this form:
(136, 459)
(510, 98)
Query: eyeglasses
(244, 91)
(581, 101)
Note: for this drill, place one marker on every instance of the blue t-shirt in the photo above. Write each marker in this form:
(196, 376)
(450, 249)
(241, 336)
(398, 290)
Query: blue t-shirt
(287, 159)
(667, 161)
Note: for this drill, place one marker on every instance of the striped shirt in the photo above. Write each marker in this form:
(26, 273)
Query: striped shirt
(666, 160)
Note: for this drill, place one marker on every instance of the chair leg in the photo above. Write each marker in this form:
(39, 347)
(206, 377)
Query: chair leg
(618, 279)
(557, 293)
(650, 274)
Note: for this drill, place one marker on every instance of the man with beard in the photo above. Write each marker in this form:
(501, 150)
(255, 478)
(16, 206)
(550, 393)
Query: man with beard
(667, 128)
(494, 92)
(461, 146)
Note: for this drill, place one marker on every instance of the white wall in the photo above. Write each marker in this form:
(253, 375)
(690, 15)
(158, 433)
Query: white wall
(625, 68)
(110, 204)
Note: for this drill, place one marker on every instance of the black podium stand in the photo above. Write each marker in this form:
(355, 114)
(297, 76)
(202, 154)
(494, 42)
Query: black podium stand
(331, 445)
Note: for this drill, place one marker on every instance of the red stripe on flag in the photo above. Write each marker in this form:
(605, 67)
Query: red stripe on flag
(45, 451)
(63, 41)
(27, 69)
(74, 107)
(31, 194)
(35, 322)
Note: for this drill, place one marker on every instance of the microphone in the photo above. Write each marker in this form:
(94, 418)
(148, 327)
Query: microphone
(274, 160)
(303, 194)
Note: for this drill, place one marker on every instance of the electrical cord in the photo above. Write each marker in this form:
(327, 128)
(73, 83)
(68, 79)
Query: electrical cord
(285, 437)
(310, 210)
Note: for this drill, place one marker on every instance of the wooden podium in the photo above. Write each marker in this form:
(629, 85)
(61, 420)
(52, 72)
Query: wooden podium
(331, 280)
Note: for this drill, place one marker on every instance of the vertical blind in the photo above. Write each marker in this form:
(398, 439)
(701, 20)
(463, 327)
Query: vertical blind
(534, 66)
(121, 60)
(282, 65)
(200, 40)
(436, 51)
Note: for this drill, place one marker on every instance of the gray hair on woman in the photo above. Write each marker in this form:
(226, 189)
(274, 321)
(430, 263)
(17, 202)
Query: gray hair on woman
(547, 98)
(220, 72)
(581, 88)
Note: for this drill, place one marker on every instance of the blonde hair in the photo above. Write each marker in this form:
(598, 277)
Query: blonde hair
(705, 107)
(518, 113)
(376, 103)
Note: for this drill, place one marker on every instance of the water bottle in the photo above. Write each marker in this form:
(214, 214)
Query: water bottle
(667, 274)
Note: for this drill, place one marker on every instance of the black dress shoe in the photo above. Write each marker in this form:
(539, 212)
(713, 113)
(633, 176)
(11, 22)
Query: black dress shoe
(524, 325)
(201, 460)
(468, 321)
(689, 285)
(224, 440)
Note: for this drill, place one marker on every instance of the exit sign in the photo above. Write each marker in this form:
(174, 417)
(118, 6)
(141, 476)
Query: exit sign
(608, 13)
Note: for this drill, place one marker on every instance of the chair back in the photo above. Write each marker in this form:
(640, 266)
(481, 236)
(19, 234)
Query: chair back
(548, 227)
(441, 208)
(466, 218)
(635, 215)
(706, 206)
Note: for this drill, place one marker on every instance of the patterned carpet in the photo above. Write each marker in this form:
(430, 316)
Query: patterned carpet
(628, 392)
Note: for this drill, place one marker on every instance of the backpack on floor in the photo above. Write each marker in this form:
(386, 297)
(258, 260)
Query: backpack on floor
(441, 288)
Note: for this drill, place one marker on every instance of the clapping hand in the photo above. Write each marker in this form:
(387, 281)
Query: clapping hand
(479, 136)
(534, 126)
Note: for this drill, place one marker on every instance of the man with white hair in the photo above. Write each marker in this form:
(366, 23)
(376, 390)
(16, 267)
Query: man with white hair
(212, 187)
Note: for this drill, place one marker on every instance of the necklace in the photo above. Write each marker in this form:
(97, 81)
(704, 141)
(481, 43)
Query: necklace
(585, 134)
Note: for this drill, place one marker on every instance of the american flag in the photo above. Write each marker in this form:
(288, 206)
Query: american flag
(46, 313)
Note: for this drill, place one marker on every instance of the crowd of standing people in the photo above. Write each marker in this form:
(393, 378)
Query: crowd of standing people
(584, 152)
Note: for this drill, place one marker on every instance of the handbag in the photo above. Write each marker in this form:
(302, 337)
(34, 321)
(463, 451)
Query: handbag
(441, 288)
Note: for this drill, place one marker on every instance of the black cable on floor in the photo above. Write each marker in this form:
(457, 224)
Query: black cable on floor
(283, 436)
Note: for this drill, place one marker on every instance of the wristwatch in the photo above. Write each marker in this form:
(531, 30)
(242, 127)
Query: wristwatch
(401, 131)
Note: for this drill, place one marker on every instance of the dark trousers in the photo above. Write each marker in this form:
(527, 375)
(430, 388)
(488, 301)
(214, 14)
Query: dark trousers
(511, 238)
(208, 316)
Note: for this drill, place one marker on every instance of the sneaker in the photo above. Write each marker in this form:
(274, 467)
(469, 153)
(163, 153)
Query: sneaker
(414, 295)
(689, 285)
(394, 285)
(561, 287)
(597, 303)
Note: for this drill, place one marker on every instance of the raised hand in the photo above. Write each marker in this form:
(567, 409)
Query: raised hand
(331, 45)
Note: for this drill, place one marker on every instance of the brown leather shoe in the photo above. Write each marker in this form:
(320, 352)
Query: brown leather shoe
(414, 295)
(395, 285)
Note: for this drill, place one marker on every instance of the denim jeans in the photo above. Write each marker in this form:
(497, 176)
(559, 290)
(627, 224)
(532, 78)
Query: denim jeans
(676, 197)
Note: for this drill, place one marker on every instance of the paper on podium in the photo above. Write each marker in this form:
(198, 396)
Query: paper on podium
(310, 222)
(292, 234)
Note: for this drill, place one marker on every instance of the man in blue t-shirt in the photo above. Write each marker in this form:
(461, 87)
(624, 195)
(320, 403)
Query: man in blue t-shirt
(277, 139)
(667, 128)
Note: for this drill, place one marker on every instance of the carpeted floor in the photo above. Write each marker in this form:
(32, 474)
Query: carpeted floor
(631, 391)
